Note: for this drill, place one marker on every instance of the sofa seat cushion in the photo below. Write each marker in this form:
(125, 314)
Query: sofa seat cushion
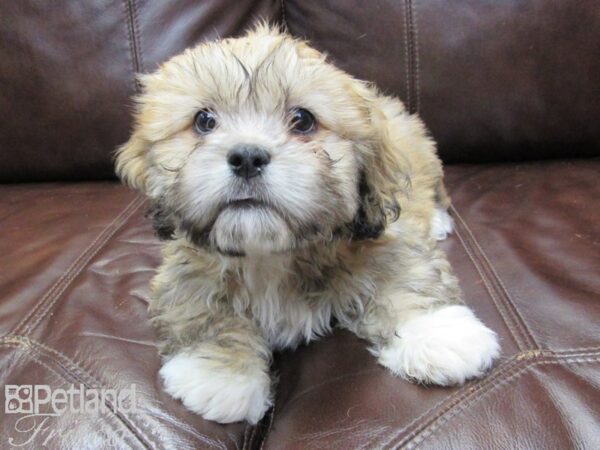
(76, 261)
(526, 250)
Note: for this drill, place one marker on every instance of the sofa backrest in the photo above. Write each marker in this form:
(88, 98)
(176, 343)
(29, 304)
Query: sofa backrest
(494, 81)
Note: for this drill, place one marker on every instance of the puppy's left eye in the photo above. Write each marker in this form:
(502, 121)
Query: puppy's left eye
(205, 121)
(303, 121)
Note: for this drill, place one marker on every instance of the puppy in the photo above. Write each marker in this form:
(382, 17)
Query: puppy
(290, 194)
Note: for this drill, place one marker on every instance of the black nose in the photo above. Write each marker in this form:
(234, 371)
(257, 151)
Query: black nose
(247, 161)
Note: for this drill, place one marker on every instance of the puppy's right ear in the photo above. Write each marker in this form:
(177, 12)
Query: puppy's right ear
(131, 162)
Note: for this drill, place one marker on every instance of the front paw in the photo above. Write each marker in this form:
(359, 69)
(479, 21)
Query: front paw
(446, 346)
(216, 392)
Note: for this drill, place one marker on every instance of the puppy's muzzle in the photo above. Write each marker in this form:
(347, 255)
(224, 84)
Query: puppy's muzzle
(248, 161)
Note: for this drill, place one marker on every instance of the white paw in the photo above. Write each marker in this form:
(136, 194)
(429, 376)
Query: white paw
(446, 346)
(441, 224)
(215, 392)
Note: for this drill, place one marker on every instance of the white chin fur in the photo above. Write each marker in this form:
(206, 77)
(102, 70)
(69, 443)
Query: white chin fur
(446, 346)
(251, 230)
(441, 224)
(215, 392)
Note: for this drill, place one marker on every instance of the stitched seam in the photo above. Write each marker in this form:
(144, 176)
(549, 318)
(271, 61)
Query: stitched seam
(406, 54)
(246, 429)
(456, 401)
(245, 444)
(501, 310)
(28, 346)
(131, 18)
(70, 367)
(68, 271)
(521, 319)
(283, 16)
(248, 440)
(137, 33)
(448, 403)
(107, 233)
(271, 418)
(582, 349)
(410, 51)
(511, 319)
(499, 286)
(416, 56)
(511, 376)
(254, 430)
(49, 368)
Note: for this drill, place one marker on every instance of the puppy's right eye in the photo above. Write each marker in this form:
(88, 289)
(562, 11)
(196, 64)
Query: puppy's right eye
(204, 121)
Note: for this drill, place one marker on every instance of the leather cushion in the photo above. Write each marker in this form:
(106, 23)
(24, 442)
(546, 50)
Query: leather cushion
(77, 261)
(494, 81)
(67, 74)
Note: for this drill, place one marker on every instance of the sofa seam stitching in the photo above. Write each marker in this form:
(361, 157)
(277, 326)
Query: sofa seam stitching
(68, 271)
(245, 444)
(406, 55)
(458, 399)
(133, 49)
(28, 346)
(117, 224)
(504, 296)
(130, 55)
(137, 34)
(450, 402)
(416, 80)
(522, 320)
(271, 420)
(410, 55)
(283, 15)
(28, 354)
(509, 377)
(74, 368)
(66, 274)
(248, 444)
(71, 367)
(514, 333)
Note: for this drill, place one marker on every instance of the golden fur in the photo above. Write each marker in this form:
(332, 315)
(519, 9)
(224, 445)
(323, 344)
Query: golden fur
(344, 231)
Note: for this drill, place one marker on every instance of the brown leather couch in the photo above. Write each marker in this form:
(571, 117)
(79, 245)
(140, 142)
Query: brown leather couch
(511, 91)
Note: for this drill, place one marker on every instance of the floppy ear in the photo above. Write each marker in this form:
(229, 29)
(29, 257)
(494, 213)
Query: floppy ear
(131, 162)
(383, 176)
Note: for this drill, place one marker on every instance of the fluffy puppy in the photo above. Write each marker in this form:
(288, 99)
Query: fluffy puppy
(290, 194)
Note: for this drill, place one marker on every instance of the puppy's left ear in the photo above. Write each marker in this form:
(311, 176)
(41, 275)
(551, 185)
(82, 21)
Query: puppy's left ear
(383, 176)
(131, 162)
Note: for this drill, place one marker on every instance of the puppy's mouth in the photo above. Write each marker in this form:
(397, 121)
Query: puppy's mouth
(246, 203)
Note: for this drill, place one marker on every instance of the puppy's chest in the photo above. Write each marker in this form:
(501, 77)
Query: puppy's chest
(292, 305)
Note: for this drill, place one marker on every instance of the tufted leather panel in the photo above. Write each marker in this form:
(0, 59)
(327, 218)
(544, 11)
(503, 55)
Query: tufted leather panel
(67, 74)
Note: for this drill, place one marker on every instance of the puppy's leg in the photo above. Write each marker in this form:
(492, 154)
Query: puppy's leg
(225, 375)
(216, 360)
(421, 330)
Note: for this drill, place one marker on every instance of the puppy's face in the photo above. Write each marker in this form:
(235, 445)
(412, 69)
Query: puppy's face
(257, 144)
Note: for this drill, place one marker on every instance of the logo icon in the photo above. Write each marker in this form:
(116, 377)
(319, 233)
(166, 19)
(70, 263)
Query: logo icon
(18, 399)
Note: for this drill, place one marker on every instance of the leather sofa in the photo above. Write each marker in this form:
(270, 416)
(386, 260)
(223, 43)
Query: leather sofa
(510, 90)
